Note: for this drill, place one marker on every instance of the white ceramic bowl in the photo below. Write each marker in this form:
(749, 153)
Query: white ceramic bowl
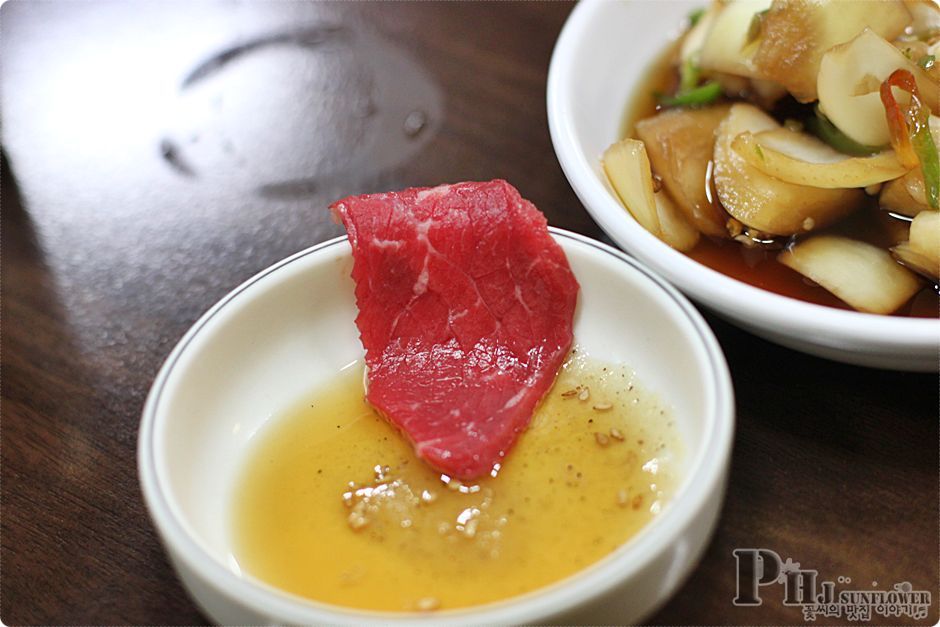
(600, 58)
(291, 327)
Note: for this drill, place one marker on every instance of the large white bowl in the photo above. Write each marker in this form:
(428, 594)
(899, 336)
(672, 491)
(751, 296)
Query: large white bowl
(599, 61)
(291, 327)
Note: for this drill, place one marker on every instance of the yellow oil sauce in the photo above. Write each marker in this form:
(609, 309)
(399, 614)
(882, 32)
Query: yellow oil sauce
(334, 505)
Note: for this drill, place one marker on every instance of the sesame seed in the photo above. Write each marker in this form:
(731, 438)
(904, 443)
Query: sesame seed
(470, 529)
(601, 438)
(602, 406)
(623, 497)
(357, 521)
(616, 434)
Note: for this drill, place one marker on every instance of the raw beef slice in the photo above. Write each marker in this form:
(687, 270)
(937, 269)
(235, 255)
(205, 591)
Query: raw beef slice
(465, 312)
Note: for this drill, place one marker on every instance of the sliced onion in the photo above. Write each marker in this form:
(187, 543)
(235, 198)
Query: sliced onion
(725, 47)
(864, 276)
(677, 231)
(916, 260)
(925, 233)
(695, 38)
(628, 169)
(764, 202)
(849, 78)
(905, 195)
(922, 251)
(802, 159)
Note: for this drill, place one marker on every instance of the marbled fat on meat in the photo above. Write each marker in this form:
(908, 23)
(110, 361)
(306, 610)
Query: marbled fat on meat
(466, 306)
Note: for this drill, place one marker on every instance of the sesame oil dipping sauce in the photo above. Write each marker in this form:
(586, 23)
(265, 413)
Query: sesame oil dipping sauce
(333, 504)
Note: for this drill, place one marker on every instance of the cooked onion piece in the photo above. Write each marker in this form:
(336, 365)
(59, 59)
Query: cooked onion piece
(628, 169)
(905, 195)
(796, 33)
(850, 76)
(766, 203)
(922, 251)
(864, 276)
(802, 159)
(925, 233)
(677, 231)
(726, 48)
(694, 39)
(916, 260)
(680, 144)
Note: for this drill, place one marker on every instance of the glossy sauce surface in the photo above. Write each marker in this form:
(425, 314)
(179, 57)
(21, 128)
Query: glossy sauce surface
(333, 504)
(758, 266)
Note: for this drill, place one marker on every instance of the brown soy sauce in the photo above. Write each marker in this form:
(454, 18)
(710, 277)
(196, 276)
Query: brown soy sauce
(758, 266)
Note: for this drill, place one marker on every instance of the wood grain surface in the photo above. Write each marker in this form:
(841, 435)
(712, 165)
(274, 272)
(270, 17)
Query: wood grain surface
(156, 154)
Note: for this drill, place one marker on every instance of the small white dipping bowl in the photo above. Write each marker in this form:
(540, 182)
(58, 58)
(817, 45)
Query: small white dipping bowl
(291, 328)
(601, 57)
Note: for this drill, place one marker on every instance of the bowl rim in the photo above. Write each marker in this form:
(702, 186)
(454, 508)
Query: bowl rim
(708, 286)
(702, 483)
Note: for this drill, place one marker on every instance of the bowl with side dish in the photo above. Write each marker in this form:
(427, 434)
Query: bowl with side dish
(756, 166)
(281, 497)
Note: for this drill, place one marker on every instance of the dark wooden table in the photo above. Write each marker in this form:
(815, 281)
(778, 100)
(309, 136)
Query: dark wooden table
(158, 154)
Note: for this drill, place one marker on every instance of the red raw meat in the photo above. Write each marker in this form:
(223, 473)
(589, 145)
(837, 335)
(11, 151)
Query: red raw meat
(465, 311)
